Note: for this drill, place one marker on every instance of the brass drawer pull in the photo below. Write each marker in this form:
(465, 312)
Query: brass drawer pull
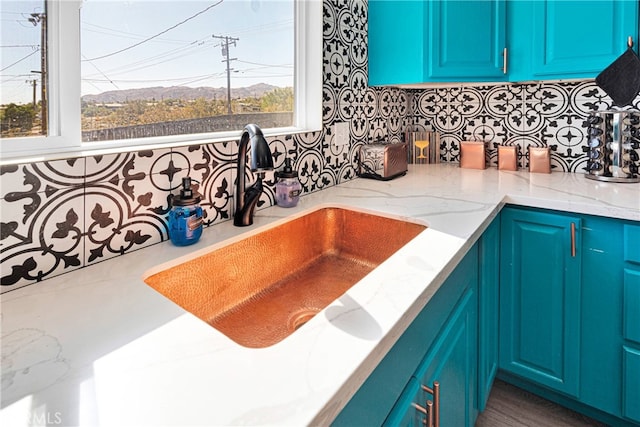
(428, 412)
(573, 239)
(419, 408)
(504, 61)
(434, 415)
(429, 420)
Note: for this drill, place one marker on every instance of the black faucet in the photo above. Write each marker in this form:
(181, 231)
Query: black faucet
(261, 161)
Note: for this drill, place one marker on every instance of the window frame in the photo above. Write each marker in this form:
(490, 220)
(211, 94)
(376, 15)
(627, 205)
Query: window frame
(65, 136)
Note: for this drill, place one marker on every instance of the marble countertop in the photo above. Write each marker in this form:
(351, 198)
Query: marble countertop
(99, 347)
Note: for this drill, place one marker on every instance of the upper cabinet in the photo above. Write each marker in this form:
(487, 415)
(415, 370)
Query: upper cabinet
(396, 42)
(436, 41)
(465, 39)
(412, 42)
(567, 39)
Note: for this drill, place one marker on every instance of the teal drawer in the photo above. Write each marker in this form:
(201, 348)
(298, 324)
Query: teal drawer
(631, 391)
(632, 306)
(632, 243)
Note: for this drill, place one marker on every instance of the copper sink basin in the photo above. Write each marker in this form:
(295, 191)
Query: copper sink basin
(258, 290)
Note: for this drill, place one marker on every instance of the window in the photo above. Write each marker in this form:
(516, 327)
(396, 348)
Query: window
(165, 72)
(23, 54)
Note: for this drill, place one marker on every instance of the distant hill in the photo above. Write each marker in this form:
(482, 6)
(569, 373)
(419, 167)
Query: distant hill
(178, 92)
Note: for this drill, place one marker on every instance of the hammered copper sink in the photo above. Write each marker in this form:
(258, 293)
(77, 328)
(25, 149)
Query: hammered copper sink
(259, 289)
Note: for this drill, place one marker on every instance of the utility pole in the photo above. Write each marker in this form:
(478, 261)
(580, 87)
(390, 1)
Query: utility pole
(33, 82)
(226, 42)
(41, 18)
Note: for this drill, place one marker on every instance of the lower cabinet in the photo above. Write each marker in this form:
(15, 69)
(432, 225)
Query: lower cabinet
(440, 346)
(631, 323)
(441, 392)
(570, 312)
(540, 298)
(548, 300)
(488, 310)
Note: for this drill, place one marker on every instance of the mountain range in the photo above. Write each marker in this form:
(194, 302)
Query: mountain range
(178, 92)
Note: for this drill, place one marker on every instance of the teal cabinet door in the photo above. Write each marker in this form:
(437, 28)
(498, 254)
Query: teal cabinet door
(409, 411)
(608, 360)
(631, 396)
(631, 324)
(390, 382)
(488, 308)
(418, 41)
(540, 298)
(451, 363)
(466, 40)
(553, 39)
(396, 42)
(602, 296)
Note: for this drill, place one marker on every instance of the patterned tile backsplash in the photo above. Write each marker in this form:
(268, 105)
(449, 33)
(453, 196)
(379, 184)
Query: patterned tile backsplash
(537, 114)
(58, 216)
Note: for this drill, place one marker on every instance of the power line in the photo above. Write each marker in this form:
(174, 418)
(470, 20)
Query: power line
(266, 65)
(265, 27)
(123, 36)
(20, 60)
(200, 77)
(118, 33)
(103, 74)
(156, 35)
(140, 65)
(32, 46)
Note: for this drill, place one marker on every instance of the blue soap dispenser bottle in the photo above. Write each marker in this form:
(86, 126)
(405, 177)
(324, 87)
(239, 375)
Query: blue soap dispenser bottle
(185, 217)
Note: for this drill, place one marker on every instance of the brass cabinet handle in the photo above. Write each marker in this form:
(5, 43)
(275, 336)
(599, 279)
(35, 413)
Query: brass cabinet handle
(429, 420)
(435, 413)
(428, 412)
(504, 60)
(419, 408)
(573, 239)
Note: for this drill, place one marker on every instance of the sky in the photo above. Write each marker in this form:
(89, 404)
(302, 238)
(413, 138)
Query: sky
(145, 43)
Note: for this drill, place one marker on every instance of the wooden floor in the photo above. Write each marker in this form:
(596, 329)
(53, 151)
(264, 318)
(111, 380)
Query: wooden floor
(509, 406)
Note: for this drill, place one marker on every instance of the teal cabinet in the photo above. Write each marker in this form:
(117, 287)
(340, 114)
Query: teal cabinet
(553, 39)
(396, 42)
(601, 318)
(631, 323)
(488, 309)
(452, 364)
(550, 300)
(420, 41)
(540, 298)
(424, 41)
(440, 345)
(447, 371)
(631, 396)
(466, 40)
(570, 326)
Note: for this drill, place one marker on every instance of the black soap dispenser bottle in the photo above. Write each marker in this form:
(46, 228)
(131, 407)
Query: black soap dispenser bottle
(185, 217)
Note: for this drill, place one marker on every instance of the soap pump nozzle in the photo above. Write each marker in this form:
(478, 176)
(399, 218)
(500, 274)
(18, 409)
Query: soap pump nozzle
(186, 191)
(287, 171)
(186, 196)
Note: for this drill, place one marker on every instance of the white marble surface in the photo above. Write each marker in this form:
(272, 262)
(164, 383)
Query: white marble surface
(99, 347)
